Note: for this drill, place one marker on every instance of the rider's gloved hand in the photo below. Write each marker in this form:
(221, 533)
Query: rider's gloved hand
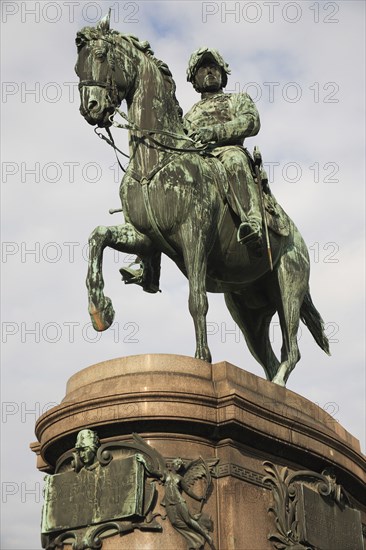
(206, 134)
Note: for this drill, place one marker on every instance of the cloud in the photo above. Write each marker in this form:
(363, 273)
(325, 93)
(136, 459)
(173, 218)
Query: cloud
(59, 181)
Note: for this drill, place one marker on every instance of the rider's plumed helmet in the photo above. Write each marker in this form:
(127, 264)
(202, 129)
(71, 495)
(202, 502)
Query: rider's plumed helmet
(206, 54)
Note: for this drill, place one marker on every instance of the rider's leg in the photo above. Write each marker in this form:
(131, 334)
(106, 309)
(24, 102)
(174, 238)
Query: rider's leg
(244, 193)
(151, 272)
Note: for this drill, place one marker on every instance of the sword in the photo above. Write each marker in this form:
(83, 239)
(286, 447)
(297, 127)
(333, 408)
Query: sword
(257, 164)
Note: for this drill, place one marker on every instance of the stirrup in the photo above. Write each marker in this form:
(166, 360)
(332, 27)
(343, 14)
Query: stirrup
(246, 234)
(135, 276)
(131, 276)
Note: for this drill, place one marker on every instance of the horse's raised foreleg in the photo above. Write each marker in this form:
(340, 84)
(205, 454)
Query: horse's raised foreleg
(196, 265)
(123, 238)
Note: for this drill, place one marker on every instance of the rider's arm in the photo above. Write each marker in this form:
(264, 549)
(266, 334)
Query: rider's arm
(188, 126)
(245, 121)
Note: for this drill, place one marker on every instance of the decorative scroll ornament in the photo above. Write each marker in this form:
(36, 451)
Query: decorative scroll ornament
(100, 491)
(312, 512)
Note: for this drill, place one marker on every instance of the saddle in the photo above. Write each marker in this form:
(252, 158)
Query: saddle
(276, 218)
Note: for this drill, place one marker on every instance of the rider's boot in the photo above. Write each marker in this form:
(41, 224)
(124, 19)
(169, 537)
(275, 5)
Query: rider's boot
(250, 229)
(151, 273)
(147, 275)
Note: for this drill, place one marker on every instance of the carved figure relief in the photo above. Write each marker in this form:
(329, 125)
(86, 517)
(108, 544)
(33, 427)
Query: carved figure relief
(178, 479)
(87, 444)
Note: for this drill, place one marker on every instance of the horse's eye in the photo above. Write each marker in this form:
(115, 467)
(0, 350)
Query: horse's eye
(100, 55)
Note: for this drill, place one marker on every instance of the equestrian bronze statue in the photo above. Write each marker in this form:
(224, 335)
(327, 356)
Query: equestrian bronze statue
(192, 192)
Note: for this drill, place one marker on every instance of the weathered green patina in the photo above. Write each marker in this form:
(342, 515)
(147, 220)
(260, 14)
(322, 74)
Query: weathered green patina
(176, 200)
(104, 490)
(224, 121)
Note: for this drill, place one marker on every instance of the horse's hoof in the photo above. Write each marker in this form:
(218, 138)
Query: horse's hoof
(102, 318)
(204, 356)
(279, 381)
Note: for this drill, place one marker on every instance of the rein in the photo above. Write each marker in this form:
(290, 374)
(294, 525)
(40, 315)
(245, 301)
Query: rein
(112, 144)
(149, 133)
(93, 83)
(146, 133)
(145, 181)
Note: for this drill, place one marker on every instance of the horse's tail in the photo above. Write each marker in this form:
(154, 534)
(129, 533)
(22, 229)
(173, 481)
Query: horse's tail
(310, 316)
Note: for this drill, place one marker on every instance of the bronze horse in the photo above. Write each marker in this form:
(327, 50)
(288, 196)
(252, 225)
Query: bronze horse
(173, 203)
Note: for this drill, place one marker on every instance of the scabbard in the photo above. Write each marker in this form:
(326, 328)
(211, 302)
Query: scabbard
(264, 217)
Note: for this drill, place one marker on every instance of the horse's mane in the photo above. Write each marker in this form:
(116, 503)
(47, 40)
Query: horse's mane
(102, 32)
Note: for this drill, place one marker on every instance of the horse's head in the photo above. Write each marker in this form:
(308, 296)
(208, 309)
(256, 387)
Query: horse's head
(101, 86)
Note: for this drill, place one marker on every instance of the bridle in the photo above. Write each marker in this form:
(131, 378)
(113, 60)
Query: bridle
(94, 83)
(110, 84)
(113, 93)
(149, 133)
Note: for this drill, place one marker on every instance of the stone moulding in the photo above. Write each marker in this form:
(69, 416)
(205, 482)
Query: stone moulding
(92, 538)
(188, 408)
(198, 396)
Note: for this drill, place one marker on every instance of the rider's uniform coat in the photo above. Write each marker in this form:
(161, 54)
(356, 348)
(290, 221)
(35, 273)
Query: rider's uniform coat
(233, 117)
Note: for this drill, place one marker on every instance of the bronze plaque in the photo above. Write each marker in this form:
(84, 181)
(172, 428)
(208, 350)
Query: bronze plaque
(92, 496)
(326, 526)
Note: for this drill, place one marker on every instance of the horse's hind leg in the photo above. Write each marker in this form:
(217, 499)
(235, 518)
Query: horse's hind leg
(290, 353)
(254, 324)
(292, 291)
(123, 238)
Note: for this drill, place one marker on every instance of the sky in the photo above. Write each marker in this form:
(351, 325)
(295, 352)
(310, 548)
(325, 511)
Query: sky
(303, 64)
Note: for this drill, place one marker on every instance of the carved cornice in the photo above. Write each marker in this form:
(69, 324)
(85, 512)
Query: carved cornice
(217, 414)
(234, 470)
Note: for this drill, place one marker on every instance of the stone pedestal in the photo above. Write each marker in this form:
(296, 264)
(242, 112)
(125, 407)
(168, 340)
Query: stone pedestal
(184, 407)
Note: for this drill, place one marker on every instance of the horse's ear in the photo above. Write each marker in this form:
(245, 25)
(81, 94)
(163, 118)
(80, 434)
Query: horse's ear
(80, 40)
(104, 24)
